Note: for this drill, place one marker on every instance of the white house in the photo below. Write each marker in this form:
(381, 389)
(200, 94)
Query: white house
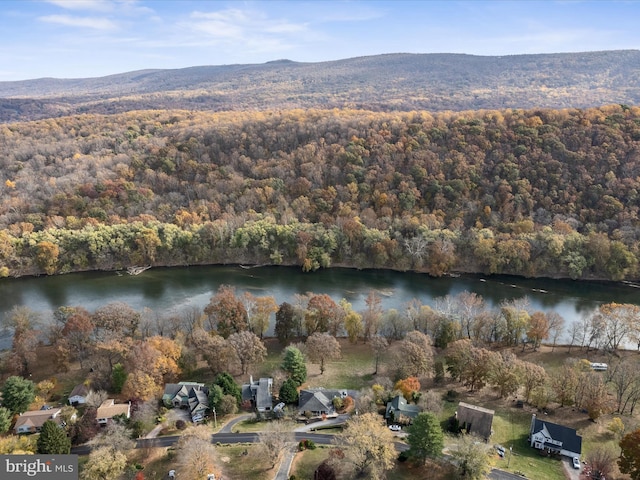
(78, 395)
(554, 438)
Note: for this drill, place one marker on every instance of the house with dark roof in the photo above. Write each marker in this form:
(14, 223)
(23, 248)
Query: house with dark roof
(319, 401)
(399, 411)
(259, 393)
(191, 396)
(475, 420)
(554, 438)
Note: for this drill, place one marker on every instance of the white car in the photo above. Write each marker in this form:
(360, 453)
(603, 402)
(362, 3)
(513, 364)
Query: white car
(576, 462)
(395, 428)
(501, 451)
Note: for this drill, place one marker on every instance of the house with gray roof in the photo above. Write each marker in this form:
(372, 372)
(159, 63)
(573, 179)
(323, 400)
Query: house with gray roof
(191, 396)
(259, 393)
(554, 438)
(475, 420)
(399, 411)
(319, 401)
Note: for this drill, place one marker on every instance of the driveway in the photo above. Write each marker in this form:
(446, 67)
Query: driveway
(570, 472)
(227, 427)
(172, 415)
(339, 420)
(288, 455)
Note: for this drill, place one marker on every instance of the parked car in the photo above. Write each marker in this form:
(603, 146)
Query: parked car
(395, 428)
(576, 462)
(501, 451)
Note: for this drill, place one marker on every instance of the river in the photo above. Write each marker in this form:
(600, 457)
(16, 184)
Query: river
(169, 291)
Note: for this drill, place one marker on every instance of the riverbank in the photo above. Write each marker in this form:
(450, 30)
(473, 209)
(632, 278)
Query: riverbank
(176, 291)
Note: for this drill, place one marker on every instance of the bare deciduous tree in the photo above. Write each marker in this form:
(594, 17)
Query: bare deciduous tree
(272, 442)
(321, 348)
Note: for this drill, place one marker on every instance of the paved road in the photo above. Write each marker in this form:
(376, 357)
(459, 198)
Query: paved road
(320, 438)
(496, 474)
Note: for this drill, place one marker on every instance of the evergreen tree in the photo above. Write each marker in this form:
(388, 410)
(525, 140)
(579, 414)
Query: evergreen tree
(118, 377)
(228, 385)
(17, 394)
(5, 420)
(288, 391)
(294, 365)
(425, 437)
(53, 440)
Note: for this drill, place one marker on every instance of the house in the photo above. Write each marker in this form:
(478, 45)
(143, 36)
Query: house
(32, 421)
(319, 401)
(109, 409)
(259, 394)
(398, 408)
(475, 420)
(78, 395)
(190, 396)
(554, 438)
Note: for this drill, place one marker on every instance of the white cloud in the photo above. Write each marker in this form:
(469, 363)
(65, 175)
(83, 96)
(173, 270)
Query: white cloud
(248, 27)
(94, 5)
(95, 23)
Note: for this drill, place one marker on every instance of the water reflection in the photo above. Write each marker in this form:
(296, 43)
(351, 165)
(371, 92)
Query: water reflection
(172, 290)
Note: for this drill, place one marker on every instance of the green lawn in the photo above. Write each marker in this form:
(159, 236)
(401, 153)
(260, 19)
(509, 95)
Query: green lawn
(307, 461)
(511, 429)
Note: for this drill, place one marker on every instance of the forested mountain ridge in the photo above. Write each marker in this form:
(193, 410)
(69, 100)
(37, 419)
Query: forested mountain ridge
(528, 192)
(392, 82)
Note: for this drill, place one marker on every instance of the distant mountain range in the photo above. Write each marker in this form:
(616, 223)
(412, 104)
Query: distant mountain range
(434, 82)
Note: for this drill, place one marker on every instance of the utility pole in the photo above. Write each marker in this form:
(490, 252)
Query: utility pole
(215, 418)
(510, 453)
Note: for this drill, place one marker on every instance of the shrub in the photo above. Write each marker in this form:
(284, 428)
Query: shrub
(181, 424)
(451, 396)
(306, 445)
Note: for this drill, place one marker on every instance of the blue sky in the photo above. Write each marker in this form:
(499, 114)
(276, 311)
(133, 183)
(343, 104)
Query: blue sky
(90, 38)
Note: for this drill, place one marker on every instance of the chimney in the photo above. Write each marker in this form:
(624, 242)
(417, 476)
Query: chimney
(533, 422)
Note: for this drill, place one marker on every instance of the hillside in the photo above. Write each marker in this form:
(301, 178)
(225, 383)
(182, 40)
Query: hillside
(392, 82)
(527, 192)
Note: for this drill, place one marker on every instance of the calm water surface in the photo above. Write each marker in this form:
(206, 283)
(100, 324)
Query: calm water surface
(171, 290)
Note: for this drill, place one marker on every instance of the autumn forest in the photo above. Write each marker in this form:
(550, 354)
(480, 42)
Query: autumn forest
(527, 192)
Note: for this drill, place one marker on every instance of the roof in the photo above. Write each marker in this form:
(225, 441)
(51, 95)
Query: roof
(314, 401)
(81, 390)
(109, 409)
(258, 391)
(319, 399)
(173, 388)
(476, 420)
(36, 418)
(571, 441)
(399, 404)
(263, 394)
